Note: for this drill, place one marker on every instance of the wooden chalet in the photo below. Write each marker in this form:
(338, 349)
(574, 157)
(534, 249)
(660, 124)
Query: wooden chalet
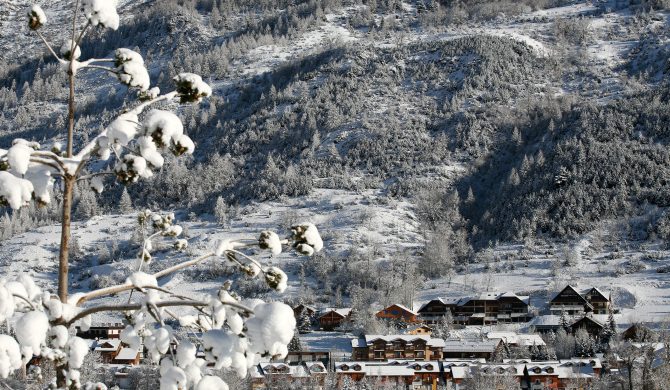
(419, 329)
(383, 348)
(590, 324)
(332, 318)
(433, 311)
(127, 356)
(394, 373)
(572, 301)
(400, 313)
(640, 333)
(107, 348)
(302, 309)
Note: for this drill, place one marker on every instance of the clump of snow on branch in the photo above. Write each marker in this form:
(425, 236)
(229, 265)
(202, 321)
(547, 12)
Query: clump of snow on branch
(131, 70)
(276, 279)
(140, 280)
(101, 12)
(31, 333)
(191, 88)
(306, 238)
(10, 356)
(14, 191)
(36, 17)
(270, 240)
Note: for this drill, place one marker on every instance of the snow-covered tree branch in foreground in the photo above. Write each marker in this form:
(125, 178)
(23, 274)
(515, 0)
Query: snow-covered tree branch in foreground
(236, 331)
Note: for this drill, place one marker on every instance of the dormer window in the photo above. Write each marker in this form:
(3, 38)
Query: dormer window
(356, 367)
(537, 370)
(428, 367)
(344, 367)
(550, 370)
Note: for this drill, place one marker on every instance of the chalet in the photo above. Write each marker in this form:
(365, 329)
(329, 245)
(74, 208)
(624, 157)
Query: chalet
(433, 311)
(296, 357)
(127, 356)
(530, 375)
(332, 318)
(267, 375)
(419, 329)
(302, 309)
(482, 309)
(572, 301)
(383, 348)
(640, 333)
(102, 331)
(394, 373)
(107, 348)
(471, 348)
(398, 313)
(590, 324)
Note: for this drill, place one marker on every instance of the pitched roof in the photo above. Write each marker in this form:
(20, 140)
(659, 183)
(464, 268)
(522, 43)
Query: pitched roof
(570, 287)
(127, 354)
(522, 340)
(345, 311)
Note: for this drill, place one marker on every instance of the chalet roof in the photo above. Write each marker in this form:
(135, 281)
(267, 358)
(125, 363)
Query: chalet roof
(588, 319)
(444, 301)
(470, 345)
(599, 291)
(522, 340)
(107, 345)
(404, 308)
(417, 326)
(343, 312)
(127, 354)
(431, 342)
(312, 308)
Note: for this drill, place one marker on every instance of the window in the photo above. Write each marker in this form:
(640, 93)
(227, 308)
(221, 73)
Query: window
(356, 367)
(344, 367)
(537, 370)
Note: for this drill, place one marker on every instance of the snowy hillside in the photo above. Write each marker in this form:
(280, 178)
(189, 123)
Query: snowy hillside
(390, 128)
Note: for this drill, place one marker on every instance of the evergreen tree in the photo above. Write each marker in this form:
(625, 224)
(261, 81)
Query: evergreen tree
(125, 203)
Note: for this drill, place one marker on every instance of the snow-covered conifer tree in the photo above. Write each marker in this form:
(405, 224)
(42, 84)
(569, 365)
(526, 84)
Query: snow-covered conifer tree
(235, 332)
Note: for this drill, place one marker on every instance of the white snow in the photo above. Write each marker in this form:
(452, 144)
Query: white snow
(271, 328)
(194, 84)
(10, 355)
(18, 157)
(101, 12)
(141, 279)
(164, 127)
(276, 278)
(31, 333)
(15, 191)
(270, 240)
(38, 14)
(77, 350)
(67, 47)
(211, 383)
(122, 130)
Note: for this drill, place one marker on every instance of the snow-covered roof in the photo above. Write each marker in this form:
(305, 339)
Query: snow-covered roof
(406, 308)
(388, 369)
(127, 354)
(107, 345)
(470, 345)
(415, 327)
(522, 340)
(345, 311)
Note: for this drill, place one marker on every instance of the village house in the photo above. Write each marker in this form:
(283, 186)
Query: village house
(382, 348)
(482, 309)
(514, 339)
(563, 374)
(471, 348)
(332, 318)
(310, 375)
(408, 374)
(107, 348)
(572, 301)
(398, 313)
(592, 326)
(101, 331)
(303, 309)
(418, 329)
(296, 357)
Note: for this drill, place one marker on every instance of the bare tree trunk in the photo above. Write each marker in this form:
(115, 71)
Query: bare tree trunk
(68, 184)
